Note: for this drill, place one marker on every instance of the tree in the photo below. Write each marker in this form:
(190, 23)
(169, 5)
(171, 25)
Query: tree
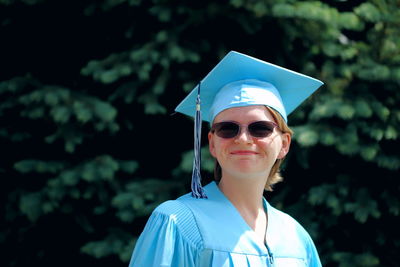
(89, 148)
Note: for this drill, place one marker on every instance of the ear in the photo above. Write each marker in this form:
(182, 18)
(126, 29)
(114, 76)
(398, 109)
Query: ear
(211, 145)
(286, 139)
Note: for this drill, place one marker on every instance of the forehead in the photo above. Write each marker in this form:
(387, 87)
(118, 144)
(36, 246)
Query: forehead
(245, 114)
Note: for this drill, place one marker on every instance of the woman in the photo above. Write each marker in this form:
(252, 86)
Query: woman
(229, 223)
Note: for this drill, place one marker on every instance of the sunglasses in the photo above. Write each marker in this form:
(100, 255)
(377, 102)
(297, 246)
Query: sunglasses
(230, 129)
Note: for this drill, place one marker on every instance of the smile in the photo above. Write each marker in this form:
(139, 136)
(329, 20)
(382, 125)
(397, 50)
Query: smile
(243, 152)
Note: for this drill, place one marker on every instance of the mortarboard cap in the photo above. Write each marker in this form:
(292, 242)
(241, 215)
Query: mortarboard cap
(284, 90)
(241, 80)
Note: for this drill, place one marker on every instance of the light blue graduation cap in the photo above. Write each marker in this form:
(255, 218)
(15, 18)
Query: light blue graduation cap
(240, 80)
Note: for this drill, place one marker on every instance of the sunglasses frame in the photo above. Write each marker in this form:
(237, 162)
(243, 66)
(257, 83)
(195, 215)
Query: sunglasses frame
(215, 126)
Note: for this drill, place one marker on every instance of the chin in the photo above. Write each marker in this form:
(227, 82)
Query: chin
(246, 170)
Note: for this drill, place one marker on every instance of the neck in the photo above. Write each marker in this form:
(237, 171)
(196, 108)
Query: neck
(245, 194)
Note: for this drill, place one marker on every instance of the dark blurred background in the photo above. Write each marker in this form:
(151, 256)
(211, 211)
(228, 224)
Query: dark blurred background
(90, 144)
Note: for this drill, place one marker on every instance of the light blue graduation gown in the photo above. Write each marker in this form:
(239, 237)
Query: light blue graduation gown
(211, 232)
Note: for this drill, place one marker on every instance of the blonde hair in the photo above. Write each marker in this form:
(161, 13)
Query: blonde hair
(274, 175)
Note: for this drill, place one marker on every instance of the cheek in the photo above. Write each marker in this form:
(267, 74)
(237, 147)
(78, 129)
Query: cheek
(218, 146)
(269, 147)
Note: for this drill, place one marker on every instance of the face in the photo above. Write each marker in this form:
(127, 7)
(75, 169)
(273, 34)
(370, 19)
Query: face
(244, 155)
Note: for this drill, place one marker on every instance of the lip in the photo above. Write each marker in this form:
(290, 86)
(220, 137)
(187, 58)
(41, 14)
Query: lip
(243, 152)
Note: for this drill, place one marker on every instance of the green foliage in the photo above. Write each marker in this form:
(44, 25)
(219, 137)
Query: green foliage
(140, 198)
(117, 243)
(28, 2)
(84, 181)
(27, 166)
(344, 200)
(77, 129)
(69, 111)
(348, 259)
(186, 164)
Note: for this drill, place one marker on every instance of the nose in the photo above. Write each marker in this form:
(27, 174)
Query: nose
(244, 136)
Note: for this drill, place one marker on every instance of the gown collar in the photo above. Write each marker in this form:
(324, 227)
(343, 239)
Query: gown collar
(215, 194)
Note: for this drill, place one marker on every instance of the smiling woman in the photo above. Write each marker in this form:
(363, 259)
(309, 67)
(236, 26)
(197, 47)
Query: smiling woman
(245, 154)
(274, 175)
(229, 222)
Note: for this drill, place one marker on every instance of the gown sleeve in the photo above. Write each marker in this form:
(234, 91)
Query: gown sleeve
(312, 254)
(165, 241)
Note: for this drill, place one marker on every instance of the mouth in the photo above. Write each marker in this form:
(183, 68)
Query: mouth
(243, 152)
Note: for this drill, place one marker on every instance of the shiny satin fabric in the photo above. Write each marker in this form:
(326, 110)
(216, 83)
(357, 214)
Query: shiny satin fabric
(211, 232)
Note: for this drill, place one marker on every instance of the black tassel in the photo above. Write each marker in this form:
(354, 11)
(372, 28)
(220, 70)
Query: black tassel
(197, 189)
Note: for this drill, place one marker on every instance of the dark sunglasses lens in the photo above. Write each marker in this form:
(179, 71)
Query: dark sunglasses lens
(227, 129)
(261, 129)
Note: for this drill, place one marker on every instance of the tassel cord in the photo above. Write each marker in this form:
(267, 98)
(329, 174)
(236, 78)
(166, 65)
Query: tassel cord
(197, 189)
